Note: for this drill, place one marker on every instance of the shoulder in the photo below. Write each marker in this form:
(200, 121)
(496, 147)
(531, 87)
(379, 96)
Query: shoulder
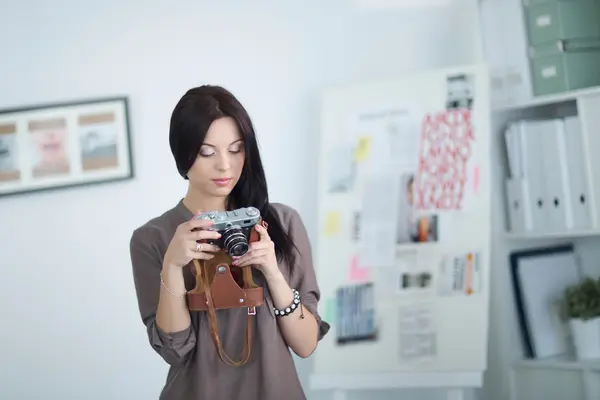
(287, 216)
(154, 231)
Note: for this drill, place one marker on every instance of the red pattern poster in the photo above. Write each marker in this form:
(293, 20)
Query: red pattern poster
(446, 146)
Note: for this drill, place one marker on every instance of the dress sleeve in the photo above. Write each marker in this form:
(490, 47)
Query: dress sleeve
(146, 262)
(302, 272)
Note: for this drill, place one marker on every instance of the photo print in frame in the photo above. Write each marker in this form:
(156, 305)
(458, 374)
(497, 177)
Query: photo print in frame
(55, 146)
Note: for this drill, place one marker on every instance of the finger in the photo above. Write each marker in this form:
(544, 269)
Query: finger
(200, 255)
(205, 247)
(262, 232)
(205, 235)
(198, 224)
(251, 255)
(263, 244)
(255, 260)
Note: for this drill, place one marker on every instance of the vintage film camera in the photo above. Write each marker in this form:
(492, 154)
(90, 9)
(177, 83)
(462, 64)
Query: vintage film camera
(235, 228)
(216, 288)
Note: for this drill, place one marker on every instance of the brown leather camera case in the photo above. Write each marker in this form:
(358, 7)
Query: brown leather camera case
(217, 289)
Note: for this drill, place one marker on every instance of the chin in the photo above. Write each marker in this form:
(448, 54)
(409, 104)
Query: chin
(222, 191)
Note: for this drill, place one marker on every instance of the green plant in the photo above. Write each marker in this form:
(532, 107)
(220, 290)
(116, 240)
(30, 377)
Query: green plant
(582, 301)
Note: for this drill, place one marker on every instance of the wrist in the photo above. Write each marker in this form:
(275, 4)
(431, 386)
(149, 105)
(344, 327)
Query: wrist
(173, 281)
(274, 276)
(169, 269)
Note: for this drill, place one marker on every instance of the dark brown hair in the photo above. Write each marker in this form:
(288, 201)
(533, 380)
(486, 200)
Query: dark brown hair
(190, 120)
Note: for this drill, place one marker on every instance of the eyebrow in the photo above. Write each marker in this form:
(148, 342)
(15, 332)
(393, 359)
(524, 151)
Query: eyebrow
(212, 145)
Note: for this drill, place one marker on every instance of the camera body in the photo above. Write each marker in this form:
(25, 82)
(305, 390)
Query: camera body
(235, 228)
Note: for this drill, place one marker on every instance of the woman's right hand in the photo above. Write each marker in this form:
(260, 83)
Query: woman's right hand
(184, 246)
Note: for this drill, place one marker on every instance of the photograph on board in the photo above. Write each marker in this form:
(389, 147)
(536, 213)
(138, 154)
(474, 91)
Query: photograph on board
(460, 91)
(49, 147)
(356, 318)
(413, 227)
(418, 280)
(98, 139)
(9, 159)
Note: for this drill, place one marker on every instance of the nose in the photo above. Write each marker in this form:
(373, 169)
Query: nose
(223, 162)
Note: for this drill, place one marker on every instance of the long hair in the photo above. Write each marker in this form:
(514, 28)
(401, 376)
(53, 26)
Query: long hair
(190, 120)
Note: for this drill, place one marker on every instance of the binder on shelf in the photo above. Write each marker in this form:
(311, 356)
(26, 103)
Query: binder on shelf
(519, 210)
(530, 142)
(515, 167)
(556, 180)
(578, 178)
(548, 190)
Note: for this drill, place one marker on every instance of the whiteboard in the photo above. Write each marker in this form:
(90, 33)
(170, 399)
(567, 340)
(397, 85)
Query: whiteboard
(403, 249)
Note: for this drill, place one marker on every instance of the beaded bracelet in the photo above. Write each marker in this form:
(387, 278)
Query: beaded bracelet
(291, 308)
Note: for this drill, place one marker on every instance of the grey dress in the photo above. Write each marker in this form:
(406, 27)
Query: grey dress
(196, 371)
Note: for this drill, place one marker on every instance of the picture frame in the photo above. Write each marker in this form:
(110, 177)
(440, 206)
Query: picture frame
(539, 277)
(65, 145)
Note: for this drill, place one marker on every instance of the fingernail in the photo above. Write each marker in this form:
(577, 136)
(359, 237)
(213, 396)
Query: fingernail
(235, 262)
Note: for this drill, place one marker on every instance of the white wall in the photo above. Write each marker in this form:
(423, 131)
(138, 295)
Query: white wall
(70, 325)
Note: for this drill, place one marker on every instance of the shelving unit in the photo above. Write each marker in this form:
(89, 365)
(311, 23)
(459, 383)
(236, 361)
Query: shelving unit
(560, 363)
(506, 51)
(553, 235)
(585, 105)
(563, 377)
(548, 100)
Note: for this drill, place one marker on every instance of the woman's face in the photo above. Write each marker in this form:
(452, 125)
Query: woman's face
(220, 160)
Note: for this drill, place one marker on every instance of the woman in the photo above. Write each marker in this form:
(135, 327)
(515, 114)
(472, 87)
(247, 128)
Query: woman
(212, 140)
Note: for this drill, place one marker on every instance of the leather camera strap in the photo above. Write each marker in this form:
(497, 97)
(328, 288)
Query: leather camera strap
(214, 327)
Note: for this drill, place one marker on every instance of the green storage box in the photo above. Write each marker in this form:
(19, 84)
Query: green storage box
(565, 65)
(551, 20)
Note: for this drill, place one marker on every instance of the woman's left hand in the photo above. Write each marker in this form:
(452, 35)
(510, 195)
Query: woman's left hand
(261, 254)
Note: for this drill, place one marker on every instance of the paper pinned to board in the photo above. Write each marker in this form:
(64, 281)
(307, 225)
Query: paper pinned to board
(363, 148)
(412, 274)
(417, 333)
(330, 314)
(378, 216)
(460, 275)
(357, 317)
(341, 169)
(387, 135)
(445, 155)
(356, 273)
(332, 223)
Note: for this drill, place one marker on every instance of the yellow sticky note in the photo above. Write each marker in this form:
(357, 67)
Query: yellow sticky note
(332, 223)
(362, 148)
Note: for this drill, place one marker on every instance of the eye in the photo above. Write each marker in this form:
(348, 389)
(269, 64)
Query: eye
(206, 152)
(236, 149)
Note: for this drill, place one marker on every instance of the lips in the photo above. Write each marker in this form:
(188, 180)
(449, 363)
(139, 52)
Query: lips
(222, 182)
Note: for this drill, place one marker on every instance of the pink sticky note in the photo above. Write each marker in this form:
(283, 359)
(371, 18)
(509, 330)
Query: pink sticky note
(357, 273)
(476, 179)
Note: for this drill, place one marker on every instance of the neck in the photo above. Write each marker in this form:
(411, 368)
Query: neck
(199, 202)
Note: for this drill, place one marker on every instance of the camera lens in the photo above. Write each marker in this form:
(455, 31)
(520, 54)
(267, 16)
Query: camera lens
(235, 241)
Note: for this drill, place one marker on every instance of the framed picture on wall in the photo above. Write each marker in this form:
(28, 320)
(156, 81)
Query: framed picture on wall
(64, 145)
